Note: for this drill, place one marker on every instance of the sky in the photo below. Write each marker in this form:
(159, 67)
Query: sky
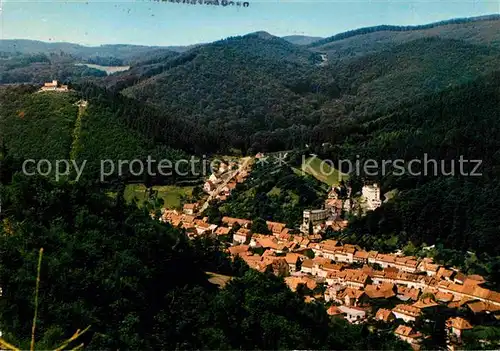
(145, 22)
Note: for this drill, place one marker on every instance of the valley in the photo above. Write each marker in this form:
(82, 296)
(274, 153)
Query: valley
(108, 69)
(274, 249)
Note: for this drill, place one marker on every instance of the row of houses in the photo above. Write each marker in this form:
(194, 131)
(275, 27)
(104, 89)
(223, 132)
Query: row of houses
(223, 174)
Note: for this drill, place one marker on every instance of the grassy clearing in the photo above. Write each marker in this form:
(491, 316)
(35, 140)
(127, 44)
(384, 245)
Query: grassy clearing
(171, 194)
(323, 172)
(219, 279)
(274, 191)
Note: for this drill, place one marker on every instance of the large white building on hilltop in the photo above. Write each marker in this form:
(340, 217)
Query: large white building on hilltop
(54, 86)
(371, 195)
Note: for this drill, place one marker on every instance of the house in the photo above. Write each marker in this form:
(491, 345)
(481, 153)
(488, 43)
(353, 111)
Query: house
(334, 311)
(443, 297)
(241, 236)
(275, 227)
(203, 227)
(371, 194)
(293, 282)
(429, 267)
(480, 307)
(231, 222)
(268, 243)
(405, 293)
(333, 293)
(425, 303)
(292, 259)
(307, 266)
(384, 315)
(353, 314)
(190, 209)
(213, 178)
(222, 231)
(446, 274)
(238, 250)
(222, 168)
(353, 297)
(356, 279)
(54, 86)
(209, 186)
(459, 278)
(383, 291)
(229, 187)
(406, 312)
(407, 334)
(457, 325)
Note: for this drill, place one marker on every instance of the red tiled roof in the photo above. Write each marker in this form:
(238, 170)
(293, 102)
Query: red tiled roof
(458, 323)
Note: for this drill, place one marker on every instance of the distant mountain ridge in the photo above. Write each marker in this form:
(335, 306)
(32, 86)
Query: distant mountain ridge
(129, 51)
(484, 30)
(366, 30)
(301, 39)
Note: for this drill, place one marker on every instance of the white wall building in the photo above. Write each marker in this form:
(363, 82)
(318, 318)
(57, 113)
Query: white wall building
(371, 194)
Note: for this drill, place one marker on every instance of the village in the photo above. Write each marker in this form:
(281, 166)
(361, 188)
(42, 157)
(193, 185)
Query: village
(357, 285)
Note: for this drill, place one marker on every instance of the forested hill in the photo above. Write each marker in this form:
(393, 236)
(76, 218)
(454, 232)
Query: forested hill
(124, 54)
(482, 30)
(236, 87)
(140, 284)
(301, 39)
(256, 93)
(259, 92)
(51, 126)
(449, 206)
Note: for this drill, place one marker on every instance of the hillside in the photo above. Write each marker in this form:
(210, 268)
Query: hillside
(44, 126)
(234, 88)
(409, 71)
(476, 30)
(124, 53)
(261, 93)
(275, 193)
(41, 67)
(141, 284)
(301, 39)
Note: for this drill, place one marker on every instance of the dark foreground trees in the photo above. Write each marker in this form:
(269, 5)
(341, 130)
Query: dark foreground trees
(139, 283)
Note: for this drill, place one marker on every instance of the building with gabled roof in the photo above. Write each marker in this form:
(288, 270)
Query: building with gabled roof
(353, 314)
(457, 325)
(334, 311)
(407, 334)
(407, 313)
(384, 315)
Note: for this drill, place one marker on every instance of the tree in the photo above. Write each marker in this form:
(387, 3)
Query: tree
(259, 225)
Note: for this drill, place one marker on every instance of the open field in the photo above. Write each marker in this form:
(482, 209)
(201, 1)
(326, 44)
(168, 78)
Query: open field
(323, 172)
(171, 194)
(219, 279)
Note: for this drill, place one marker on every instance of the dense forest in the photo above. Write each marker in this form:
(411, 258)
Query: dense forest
(50, 126)
(261, 93)
(382, 28)
(448, 206)
(140, 284)
(42, 67)
(274, 192)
